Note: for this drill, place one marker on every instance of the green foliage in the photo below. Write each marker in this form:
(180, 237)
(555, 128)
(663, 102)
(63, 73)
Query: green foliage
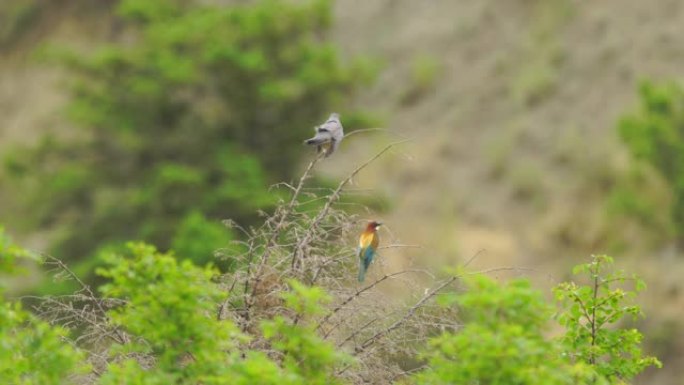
(655, 135)
(31, 351)
(8, 252)
(168, 307)
(625, 199)
(641, 196)
(200, 110)
(303, 299)
(176, 329)
(502, 341)
(199, 238)
(589, 313)
(171, 310)
(299, 344)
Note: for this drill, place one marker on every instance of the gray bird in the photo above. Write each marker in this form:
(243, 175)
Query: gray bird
(328, 135)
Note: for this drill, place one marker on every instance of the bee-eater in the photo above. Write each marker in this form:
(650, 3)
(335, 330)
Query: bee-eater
(368, 245)
(328, 135)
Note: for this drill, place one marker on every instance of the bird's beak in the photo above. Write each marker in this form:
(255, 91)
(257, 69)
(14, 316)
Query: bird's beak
(378, 225)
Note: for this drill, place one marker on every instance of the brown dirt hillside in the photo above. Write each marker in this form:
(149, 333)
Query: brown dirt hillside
(511, 107)
(510, 110)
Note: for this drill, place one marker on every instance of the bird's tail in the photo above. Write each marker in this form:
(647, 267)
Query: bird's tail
(314, 141)
(362, 273)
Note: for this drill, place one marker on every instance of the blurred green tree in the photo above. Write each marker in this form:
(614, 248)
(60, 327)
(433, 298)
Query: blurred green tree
(655, 134)
(197, 109)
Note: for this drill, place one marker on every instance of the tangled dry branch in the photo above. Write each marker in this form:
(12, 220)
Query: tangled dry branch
(306, 238)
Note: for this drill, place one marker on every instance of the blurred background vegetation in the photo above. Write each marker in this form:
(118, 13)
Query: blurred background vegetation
(184, 117)
(541, 130)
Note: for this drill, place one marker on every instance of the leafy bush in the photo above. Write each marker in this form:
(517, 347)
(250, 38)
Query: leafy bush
(502, 341)
(31, 351)
(8, 252)
(169, 321)
(504, 337)
(132, 331)
(161, 320)
(197, 237)
(655, 134)
(589, 311)
(197, 108)
(176, 336)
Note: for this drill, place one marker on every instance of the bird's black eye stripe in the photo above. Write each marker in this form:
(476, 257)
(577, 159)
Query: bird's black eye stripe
(321, 129)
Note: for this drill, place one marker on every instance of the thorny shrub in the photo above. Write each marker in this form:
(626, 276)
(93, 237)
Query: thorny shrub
(292, 313)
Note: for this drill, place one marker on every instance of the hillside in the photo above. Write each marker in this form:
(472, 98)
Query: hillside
(513, 142)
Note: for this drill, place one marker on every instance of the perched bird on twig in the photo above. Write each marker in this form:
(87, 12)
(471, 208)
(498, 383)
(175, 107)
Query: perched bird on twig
(328, 135)
(368, 245)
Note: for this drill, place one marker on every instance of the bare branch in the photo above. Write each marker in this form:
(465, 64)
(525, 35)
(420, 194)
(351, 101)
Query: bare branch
(411, 311)
(359, 292)
(332, 198)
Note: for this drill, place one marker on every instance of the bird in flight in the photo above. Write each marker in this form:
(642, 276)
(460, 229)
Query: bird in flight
(328, 135)
(368, 245)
